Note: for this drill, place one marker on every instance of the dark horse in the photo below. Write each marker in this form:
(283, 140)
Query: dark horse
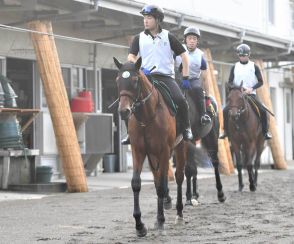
(209, 139)
(152, 131)
(245, 134)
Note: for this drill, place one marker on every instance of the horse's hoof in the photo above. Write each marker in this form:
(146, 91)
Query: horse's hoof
(141, 232)
(241, 188)
(179, 220)
(188, 203)
(194, 202)
(167, 203)
(159, 226)
(252, 187)
(221, 197)
(196, 196)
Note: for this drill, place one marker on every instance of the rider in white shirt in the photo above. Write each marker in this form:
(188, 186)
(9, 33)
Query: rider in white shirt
(156, 46)
(197, 70)
(247, 73)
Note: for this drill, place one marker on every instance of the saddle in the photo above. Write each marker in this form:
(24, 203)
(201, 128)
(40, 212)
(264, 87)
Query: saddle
(165, 92)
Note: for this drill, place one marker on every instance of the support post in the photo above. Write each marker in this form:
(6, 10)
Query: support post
(275, 145)
(58, 104)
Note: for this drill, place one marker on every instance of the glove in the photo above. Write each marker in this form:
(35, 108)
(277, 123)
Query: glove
(186, 84)
(146, 71)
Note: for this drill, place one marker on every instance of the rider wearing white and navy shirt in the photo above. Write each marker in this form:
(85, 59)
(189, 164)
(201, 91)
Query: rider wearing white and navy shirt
(197, 70)
(156, 47)
(248, 74)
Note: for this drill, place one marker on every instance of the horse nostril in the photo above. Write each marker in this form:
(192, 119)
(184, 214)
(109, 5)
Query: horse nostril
(125, 114)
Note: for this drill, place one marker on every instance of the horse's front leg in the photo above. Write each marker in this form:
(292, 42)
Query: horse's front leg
(237, 153)
(180, 166)
(248, 157)
(160, 180)
(138, 159)
(257, 161)
(214, 158)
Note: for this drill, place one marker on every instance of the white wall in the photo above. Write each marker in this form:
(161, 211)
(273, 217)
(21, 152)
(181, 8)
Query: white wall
(249, 14)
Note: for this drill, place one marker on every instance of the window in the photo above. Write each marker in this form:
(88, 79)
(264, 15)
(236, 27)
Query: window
(66, 79)
(271, 11)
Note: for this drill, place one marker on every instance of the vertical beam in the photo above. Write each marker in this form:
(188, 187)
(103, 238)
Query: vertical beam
(275, 145)
(5, 173)
(56, 96)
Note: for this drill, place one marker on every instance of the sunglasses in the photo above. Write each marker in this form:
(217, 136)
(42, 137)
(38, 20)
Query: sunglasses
(243, 55)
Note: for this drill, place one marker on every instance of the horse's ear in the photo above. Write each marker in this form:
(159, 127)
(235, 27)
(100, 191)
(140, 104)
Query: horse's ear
(117, 63)
(229, 86)
(138, 63)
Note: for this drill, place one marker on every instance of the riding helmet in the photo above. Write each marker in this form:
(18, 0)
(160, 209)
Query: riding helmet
(243, 50)
(192, 31)
(153, 10)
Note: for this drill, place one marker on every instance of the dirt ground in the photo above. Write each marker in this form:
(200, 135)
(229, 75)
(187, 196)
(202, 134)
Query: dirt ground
(105, 216)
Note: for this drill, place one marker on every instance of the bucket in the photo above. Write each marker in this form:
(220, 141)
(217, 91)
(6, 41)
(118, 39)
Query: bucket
(43, 174)
(110, 163)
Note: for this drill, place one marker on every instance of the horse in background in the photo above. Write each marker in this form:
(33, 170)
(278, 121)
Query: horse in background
(245, 134)
(152, 132)
(209, 140)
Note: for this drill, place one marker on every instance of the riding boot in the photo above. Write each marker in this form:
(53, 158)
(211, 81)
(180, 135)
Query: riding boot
(187, 132)
(126, 140)
(225, 115)
(205, 119)
(264, 124)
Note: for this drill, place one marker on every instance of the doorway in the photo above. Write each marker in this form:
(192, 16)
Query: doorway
(20, 72)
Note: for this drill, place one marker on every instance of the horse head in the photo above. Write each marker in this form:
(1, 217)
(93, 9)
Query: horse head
(128, 84)
(236, 101)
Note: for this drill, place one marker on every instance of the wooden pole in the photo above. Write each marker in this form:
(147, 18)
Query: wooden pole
(275, 145)
(57, 100)
(226, 162)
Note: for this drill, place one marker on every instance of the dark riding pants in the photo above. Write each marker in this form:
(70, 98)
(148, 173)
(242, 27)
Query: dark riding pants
(177, 97)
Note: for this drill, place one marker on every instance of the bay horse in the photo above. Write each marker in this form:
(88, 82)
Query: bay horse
(245, 134)
(152, 132)
(209, 140)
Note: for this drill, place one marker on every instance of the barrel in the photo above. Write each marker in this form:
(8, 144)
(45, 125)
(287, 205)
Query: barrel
(110, 163)
(43, 174)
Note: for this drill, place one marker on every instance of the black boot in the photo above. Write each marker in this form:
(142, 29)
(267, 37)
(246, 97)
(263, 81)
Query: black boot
(204, 117)
(187, 132)
(264, 124)
(126, 140)
(224, 135)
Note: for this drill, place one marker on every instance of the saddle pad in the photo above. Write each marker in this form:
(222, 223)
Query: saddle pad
(165, 92)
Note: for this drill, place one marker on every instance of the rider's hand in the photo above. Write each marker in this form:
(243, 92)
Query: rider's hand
(146, 71)
(186, 84)
(248, 90)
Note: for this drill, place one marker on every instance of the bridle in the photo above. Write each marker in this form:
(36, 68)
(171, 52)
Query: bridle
(138, 102)
(240, 110)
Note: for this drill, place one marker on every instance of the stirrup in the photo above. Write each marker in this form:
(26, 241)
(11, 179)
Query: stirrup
(187, 134)
(205, 119)
(126, 140)
(223, 136)
(267, 136)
